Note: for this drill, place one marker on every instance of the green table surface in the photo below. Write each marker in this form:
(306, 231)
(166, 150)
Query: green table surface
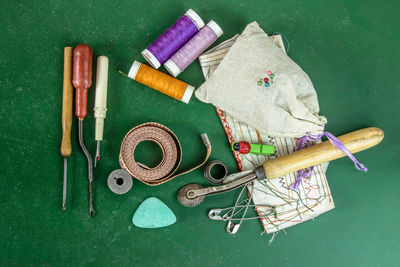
(350, 49)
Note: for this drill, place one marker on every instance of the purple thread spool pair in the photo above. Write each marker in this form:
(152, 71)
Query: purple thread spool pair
(193, 48)
(173, 38)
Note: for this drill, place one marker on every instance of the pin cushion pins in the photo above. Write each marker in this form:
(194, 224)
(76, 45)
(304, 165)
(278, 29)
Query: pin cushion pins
(267, 80)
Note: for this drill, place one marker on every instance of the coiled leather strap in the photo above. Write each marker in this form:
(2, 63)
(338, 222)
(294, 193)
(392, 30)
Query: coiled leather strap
(170, 147)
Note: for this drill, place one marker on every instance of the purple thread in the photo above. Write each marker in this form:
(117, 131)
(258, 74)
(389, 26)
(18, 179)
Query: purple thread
(194, 47)
(172, 39)
(334, 141)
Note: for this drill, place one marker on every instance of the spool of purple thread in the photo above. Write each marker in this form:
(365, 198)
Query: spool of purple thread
(193, 48)
(173, 38)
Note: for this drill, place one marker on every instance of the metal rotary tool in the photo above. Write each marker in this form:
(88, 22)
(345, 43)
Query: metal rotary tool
(100, 104)
(192, 195)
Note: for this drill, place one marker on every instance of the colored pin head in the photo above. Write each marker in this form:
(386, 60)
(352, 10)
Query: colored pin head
(267, 81)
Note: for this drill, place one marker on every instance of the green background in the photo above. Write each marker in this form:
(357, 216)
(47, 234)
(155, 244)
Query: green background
(350, 49)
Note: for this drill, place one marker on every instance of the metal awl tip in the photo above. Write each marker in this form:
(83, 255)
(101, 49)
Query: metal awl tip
(65, 183)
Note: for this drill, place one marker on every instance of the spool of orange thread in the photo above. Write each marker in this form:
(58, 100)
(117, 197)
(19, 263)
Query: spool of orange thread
(161, 82)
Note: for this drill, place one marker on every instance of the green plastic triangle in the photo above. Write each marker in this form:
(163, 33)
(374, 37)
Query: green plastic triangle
(153, 213)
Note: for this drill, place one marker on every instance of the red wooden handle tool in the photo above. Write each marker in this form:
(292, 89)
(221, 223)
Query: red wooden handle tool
(82, 78)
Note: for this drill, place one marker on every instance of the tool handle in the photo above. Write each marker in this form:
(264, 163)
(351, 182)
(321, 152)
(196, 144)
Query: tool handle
(82, 78)
(355, 141)
(100, 104)
(67, 103)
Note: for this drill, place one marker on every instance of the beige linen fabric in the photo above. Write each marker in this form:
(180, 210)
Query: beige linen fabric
(312, 198)
(287, 108)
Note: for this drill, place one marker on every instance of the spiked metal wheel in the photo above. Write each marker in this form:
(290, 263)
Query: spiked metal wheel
(184, 195)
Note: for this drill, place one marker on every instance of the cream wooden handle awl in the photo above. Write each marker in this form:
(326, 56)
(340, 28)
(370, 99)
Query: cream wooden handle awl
(100, 103)
(355, 141)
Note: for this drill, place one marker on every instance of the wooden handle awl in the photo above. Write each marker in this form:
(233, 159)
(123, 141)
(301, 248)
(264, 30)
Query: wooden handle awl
(67, 103)
(355, 141)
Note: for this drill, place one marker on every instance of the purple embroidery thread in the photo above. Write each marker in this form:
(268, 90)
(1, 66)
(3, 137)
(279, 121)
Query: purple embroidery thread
(172, 39)
(334, 141)
(193, 48)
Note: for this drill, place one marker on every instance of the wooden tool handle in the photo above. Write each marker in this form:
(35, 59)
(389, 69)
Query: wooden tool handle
(355, 141)
(67, 103)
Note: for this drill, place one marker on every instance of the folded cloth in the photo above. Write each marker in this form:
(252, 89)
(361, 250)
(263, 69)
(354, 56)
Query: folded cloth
(287, 108)
(311, 199)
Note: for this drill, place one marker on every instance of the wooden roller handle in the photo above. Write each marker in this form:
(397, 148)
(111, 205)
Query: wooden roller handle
(67, 103)
(355, 141)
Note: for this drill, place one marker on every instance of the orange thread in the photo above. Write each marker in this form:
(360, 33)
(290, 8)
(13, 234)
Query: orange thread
(161, 82)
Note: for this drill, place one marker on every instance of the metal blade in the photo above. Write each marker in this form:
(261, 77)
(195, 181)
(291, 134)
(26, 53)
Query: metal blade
(97, 156)
(234, 176)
